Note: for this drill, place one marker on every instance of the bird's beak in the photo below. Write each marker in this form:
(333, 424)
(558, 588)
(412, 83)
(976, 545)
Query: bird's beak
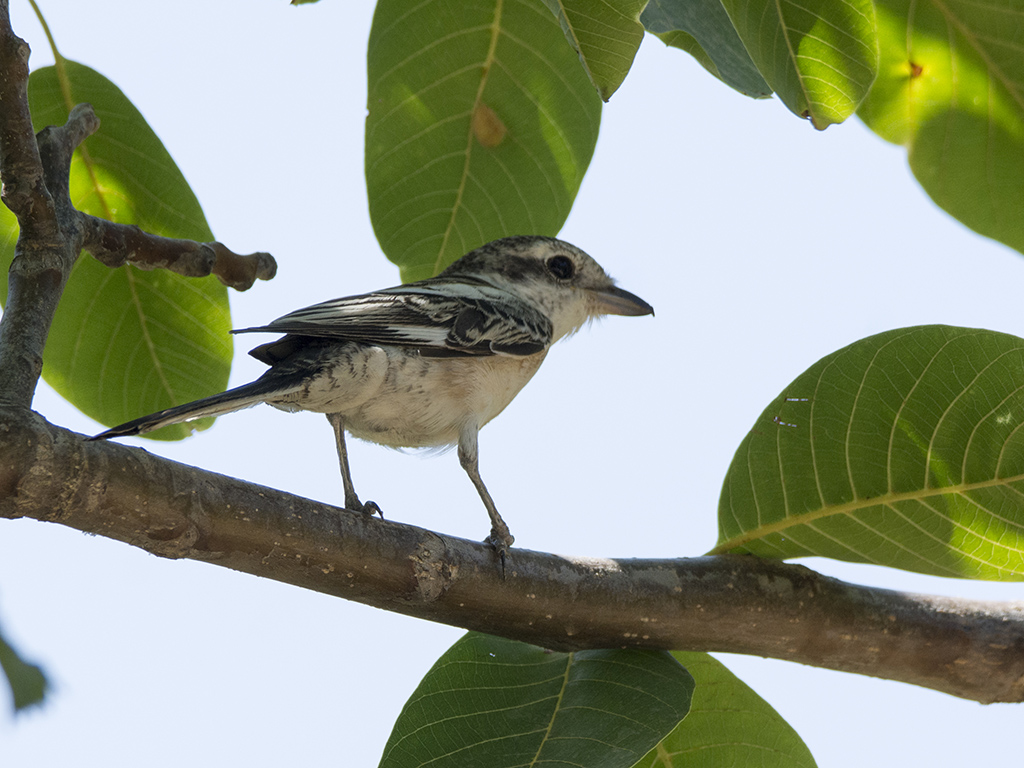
(615, 301)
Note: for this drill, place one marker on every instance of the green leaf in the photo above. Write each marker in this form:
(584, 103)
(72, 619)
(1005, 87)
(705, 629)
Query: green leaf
(819, 56)
(605, 34)
(951, 89)
(496, 703)
(126, 342)
(27, 681)
(903, 449)
(728, 725)
(702, 28)
(481, 124)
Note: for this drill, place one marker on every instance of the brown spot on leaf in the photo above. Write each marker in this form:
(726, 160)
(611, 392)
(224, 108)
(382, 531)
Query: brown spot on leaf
(915, 69)
(487, 126)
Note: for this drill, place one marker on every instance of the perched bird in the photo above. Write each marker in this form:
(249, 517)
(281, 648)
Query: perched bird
(427, 363)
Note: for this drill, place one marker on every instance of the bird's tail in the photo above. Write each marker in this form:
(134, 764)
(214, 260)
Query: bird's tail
(235, 399)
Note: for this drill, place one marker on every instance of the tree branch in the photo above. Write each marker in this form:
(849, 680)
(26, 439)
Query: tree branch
(972, 649)
(35, 188)
(24, 191)
(117, 244)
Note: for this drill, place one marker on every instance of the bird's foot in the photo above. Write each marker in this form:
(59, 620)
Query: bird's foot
(500, 541)
(369, 508)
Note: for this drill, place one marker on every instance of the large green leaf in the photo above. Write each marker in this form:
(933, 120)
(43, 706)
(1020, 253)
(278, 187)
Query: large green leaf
(728, 725)
(903, 449)
(819, 56)
(951, 88)
(481, 124)
(605, 34)
(702, 28)
(498, 703)
(126, 342)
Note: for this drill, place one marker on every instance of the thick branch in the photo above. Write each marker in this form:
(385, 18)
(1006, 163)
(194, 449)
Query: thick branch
(24, 190)
(117, 244)
(972, 649)
(35, 187)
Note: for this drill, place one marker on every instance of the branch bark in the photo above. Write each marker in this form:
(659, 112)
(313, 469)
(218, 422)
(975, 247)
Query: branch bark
(115, 244)
(967, 648)
(35, 183)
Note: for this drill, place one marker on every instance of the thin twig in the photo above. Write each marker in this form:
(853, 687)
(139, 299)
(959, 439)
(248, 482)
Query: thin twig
(117, 244)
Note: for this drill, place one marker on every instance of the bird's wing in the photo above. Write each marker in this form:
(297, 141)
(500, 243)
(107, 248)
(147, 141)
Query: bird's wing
(437, 316)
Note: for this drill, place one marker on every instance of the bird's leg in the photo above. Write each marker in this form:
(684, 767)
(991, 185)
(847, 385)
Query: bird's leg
(351, 498)
(500, 538)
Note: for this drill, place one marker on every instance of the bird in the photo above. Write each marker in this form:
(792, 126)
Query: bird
(424, 364)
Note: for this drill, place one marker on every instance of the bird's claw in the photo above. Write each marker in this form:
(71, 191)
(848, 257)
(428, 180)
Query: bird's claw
(500, 541)
(370, 508)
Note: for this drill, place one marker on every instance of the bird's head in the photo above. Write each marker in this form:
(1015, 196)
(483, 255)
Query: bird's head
(557, 278)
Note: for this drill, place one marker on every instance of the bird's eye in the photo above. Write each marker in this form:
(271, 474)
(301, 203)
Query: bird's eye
(561, 267)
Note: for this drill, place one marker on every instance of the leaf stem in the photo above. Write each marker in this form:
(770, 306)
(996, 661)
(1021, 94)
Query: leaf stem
(58, 60)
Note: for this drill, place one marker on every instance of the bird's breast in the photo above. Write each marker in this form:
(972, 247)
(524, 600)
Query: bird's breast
(395, 397)
(427, 401)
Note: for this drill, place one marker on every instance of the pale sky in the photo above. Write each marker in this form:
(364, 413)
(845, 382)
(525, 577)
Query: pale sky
(763, 246)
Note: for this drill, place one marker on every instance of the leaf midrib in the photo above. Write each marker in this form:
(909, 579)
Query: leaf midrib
(885, 499)
(570, 660)
(486, 67)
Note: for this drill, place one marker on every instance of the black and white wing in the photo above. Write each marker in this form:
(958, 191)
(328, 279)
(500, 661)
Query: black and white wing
(438, 317)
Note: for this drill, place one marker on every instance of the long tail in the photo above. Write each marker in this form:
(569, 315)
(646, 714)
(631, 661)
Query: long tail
(235, 399)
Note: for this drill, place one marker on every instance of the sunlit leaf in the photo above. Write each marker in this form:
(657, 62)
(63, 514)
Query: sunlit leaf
(481, 124)
(904, 449)
(819, 56)
(951, 88)
(728, 725)
(498, 703)
(126, 342)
